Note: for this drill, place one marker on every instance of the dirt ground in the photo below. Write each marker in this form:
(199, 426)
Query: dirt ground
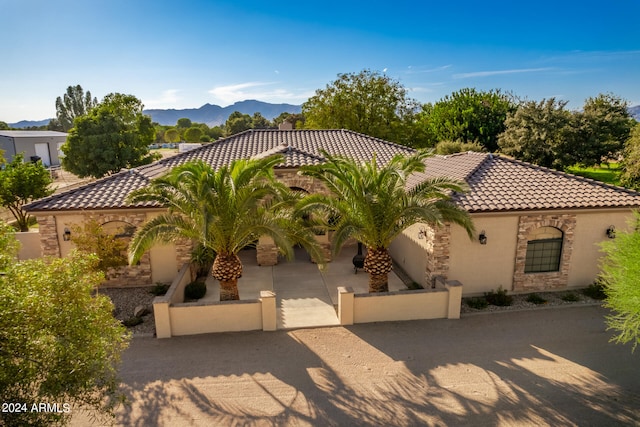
(543, 368)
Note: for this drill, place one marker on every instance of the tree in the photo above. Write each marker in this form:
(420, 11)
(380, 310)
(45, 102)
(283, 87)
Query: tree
(113, 135)
(75, 103)
(373, 205)
(470, 116)
(184, 123)
(90, 238)
(237, 122)
(21, 183)
(630, 176)
(172, 136)
(540, 133)
(368, 102)
(193, 134)
(60, 343)
(258, 121)
(224, 211)
(4, 126)
(297, 120)
(601, 129)
(621, 274)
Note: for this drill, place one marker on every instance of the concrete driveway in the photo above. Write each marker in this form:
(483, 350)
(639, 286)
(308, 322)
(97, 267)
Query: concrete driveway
(532, 368)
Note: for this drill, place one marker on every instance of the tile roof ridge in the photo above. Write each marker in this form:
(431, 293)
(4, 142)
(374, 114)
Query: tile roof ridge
(571, 176)
(82, 187)
(375, 138)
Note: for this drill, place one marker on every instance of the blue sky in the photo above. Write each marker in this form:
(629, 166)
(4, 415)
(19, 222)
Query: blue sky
(185, 54)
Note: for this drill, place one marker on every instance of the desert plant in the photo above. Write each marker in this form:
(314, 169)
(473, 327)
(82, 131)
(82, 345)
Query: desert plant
(499, 297)
(570, 297)
(536, 299)
(479, 303)
(159, 289)
(203, 257)
(195, 290)
(595, 290)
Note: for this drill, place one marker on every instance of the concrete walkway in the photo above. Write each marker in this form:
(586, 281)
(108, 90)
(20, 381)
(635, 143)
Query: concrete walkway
(535, 368)
(305, 296)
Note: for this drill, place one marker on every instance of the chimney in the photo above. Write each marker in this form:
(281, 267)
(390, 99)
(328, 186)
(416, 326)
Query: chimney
(286, 125)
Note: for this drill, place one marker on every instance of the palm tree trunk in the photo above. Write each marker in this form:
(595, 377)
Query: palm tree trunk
(229, 290)
(378, 283)
(378, 264)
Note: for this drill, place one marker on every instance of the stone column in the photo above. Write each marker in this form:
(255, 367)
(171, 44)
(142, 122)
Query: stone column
(49, 235)
(266, 251)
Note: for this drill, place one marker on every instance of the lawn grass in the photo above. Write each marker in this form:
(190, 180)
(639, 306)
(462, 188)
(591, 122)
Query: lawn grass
(609, 173)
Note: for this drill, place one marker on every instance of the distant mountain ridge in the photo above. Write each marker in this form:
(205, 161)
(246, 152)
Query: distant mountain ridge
(214, 115)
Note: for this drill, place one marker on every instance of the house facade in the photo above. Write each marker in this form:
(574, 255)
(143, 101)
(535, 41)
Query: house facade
(44, 145)
(535, 228)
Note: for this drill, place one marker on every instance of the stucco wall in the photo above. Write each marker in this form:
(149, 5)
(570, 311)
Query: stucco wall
(165, 258)
(484, 267)
(590, 230)
(409, 251)
(29, 245)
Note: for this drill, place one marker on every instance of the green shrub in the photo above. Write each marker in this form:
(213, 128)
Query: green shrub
(536, 299)
(570, 297)
(479, 303)
(203, 258)
(595, 290)
(195, 290)
(451, 147)
(159, 289)
(132, 321)
(499, 297)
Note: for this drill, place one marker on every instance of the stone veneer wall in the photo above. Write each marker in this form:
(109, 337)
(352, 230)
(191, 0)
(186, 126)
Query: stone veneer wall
(540, 281)
(438, 240)
(48, 235)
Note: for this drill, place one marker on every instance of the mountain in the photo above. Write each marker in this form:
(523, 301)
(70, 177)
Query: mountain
(214, 115)
(29, 123)
(635, 112)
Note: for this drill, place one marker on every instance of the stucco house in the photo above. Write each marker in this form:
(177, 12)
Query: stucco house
(43, 144)
(536, 228)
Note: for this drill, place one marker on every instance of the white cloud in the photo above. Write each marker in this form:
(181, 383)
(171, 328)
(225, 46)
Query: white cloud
(227, 95)
(499, 72)
(167, 99)
(420, 69)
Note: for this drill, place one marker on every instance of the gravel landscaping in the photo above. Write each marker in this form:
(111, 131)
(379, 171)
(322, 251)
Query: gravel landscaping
(126, 300)
(520, 302)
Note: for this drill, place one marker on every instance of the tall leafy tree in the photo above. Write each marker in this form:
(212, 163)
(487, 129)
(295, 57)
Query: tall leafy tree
(224, 211)
(367, 102)
(621, 274)
(540, 133)
(59, 340)
(470, 116)
(601, 129)
(373, 205)
(171, 135)
(113, 135)
(74, 103)
(21, 183)
(193, 134)
(630, 176)
(237, 122)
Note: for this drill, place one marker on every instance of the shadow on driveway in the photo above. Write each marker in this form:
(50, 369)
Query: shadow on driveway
(550, 367)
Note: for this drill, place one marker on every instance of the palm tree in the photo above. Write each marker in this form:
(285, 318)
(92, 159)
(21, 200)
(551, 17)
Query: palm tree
(373, 204)
(223, 210)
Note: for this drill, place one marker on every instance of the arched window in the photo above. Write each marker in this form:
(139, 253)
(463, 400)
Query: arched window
(544, 249)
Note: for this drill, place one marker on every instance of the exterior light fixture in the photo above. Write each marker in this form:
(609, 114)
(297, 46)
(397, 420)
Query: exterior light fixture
(611, 232)
(422, 233)
(482, 238)
(66, 236)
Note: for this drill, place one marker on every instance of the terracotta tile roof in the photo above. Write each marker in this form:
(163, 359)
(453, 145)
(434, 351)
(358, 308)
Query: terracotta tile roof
(501, 184)
(300, 147)
(496, 183)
